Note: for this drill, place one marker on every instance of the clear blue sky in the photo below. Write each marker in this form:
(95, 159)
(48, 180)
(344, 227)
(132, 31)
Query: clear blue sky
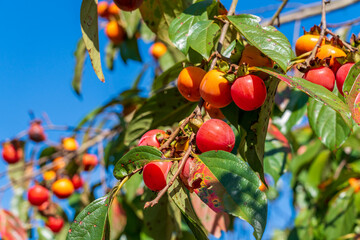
(37, 63)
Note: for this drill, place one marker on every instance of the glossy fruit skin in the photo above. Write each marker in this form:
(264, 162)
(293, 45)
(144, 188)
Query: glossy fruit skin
(115, 32)
(306, 43)
(77, 181)
(102, 9)
(58, 163)
(341, 75)
(10, 154)
(62, 188)
(89, 161)
(49, 175)
(215, 134)
(189, 81)
(248, 92)
(213, 111)
(330, 51)
(149, 138)
(254, 57)
(128, 5)
(155, 173)
(37, 195)
(158, 49)
(215, 89)
(113, 9)
(323, 76)
(55, 223)
(36, 132)
(70, 144)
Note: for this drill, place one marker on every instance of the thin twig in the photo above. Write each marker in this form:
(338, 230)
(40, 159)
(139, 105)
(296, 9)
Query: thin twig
(344, 24)
(347, 45)
(339, 168)
(322, 34)
(177, 173)
(277, 13)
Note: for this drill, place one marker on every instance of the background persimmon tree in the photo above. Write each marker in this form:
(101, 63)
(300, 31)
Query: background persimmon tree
(322, 155)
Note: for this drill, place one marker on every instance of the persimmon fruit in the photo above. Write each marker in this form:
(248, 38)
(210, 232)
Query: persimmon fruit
(215, 89)
(36, 132)
(189, 81)
(77, 181)
(306, 43)
(11, 154)
(248, 92)
(326, 51)
(62, 188)
(150, 138)
(215, 134)
(103, 9)
(70, 144)
(155, 173)
(55, 223)
(323, 76)
(341, 75)
(115, 32)
(37, 195)
(213, 111)
(89, 161)
(128, 5)
(158, 49)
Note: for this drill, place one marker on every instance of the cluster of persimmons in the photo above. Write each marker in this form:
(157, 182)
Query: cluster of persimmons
(56, 180)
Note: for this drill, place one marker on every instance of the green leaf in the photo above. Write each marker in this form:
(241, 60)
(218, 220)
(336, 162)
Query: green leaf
(90, 223)
(134, 159)
(178, 194)
(132, 186)
(158, 14)
(168, 76)
(129, 50)
(341, 216)
(163, 109)
(19, 205)
(351, 93)
(316, 170)
(268, 39)
(351, 78)
(159, 220)
(230, 185)
(179, 30)
(89, 28)
(202, 37)
(275, 157)
(45, 233)
(315, 91)
(327, 124)
(293, 112)
(111, 50)
(80, 56)
(131, 21)
(234, 51)
(146, 34)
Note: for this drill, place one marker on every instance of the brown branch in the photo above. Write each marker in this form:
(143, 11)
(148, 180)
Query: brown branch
(310, 10)
(344, 24)
(177, 173)
(277, 13)
(322, 34)
(347, 45)
(339, 168)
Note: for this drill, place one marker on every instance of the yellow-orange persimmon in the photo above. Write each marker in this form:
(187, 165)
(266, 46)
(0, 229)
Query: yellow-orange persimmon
(62, 188)
(158, 49)
(215, 89)
(306, 43)
(213, 111)
(326, 51)
(189, 81)
(70, 144)
(115, 32)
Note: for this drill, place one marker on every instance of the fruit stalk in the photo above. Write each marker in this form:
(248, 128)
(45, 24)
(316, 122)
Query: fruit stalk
(178, 171)
(347, 45)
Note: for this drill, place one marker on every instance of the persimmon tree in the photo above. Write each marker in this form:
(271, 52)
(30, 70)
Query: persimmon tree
(221, 118)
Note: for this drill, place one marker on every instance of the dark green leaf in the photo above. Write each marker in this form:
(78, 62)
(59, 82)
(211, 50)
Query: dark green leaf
(80, 56)
(90, 223)
(341, 216)
(268, 39)
(129, 50)
(327, 124)
(168, 76)
(89, 28)
(202, 37)
(315, 91)
(275, 157)
(134, 159)
(163, 109)
(158, 14)
(230, 185)
(178, 194)
(179, 29)
(293, 112)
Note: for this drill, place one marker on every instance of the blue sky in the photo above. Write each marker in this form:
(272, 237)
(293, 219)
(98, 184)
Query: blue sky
(37, 63)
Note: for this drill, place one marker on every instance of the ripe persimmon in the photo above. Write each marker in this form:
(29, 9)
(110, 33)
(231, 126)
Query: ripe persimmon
(215, 89)
(255, 58)
(326, 51)
(58, 163)
(341, 75)
(306, 43)
(189, 81)
(36, 131)
(62, 188)
(213, 111)
(355, 183)
(37, 195)
(115, 32)
(11, 154)
(158, 49)
(323, 76)
(89, 161)
(49, 175)
(113, 9)
(70, 144)
(55, 223)
(102, 9)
